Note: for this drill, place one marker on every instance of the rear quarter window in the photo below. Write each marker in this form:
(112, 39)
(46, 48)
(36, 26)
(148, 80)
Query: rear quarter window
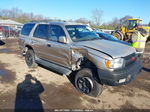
(27, 29)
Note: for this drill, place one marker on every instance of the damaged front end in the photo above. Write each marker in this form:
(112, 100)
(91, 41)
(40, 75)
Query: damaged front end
(78, 55)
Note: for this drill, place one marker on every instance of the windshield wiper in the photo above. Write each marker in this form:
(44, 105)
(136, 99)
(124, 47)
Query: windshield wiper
(88, 39)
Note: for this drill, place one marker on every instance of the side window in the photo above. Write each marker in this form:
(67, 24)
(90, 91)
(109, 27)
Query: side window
(27, 29)
(55, 32)
(41, 31)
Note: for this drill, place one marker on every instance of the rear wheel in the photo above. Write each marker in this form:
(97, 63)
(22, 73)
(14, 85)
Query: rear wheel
(30, 59)
(118, 35)
(85, 83)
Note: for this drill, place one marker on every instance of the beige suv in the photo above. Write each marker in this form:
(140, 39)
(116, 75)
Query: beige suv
(75, 50)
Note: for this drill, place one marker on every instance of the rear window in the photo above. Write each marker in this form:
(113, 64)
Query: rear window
(27, 29)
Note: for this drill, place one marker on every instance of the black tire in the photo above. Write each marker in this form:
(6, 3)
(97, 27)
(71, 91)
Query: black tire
(30, 59)
(118, 35)
(86, 84)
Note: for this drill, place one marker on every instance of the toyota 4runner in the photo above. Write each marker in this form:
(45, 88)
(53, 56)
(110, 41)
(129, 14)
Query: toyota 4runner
(74, 49)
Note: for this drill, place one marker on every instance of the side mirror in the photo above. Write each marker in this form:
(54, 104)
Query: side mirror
(62, 39)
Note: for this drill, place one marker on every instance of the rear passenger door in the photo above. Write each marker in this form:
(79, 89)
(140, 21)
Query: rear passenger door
(39, 40)
(58, 53)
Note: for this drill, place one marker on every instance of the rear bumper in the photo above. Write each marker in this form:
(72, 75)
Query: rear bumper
(121, 76)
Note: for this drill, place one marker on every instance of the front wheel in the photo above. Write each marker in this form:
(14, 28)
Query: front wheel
(85, 83)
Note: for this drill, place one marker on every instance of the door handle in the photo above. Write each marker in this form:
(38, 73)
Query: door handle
(48, 45)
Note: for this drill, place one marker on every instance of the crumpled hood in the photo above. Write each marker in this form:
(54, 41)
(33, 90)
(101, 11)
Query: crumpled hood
(111, 48)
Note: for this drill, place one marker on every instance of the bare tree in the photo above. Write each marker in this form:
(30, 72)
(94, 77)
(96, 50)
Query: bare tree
(14, 13)
(4, 13)
(97, 16)
(39, 17)
(31, 16)
(123, 19)
(115, 22)
(83, 20)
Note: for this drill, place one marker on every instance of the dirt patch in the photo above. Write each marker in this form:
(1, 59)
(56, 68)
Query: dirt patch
(147, 47)
(142, 82)
(93, 100)
(7, 100)
(61, 96)
(32, 70)
(10, 47)
(11, 41)
(10, 51)
(6, 76)
(146, 60)
(128, 90)
(128, 105)
(124, 90)
(5, 50)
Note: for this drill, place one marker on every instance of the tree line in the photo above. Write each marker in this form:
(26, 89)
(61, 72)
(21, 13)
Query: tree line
(19, 15)
(96, 20)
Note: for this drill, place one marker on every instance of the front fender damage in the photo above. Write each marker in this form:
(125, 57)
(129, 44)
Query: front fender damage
(78, 55)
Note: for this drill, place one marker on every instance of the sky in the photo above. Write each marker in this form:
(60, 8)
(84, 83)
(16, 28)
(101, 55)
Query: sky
(75, 9)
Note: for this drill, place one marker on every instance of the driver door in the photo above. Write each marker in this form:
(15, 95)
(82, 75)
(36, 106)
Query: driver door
(57, 52)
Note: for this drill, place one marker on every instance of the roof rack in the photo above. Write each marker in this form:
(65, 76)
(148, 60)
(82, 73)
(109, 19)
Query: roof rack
(49, 20)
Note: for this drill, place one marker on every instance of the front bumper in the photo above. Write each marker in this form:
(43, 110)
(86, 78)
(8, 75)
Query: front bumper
(121, 76)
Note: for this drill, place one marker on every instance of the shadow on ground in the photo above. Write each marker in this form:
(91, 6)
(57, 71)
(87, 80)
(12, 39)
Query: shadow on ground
(6, 76)
(2, 43)
(71, 78)
(146, 69)
(27, 95)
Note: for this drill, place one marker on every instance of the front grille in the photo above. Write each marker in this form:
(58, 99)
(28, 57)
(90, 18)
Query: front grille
(128, 59)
